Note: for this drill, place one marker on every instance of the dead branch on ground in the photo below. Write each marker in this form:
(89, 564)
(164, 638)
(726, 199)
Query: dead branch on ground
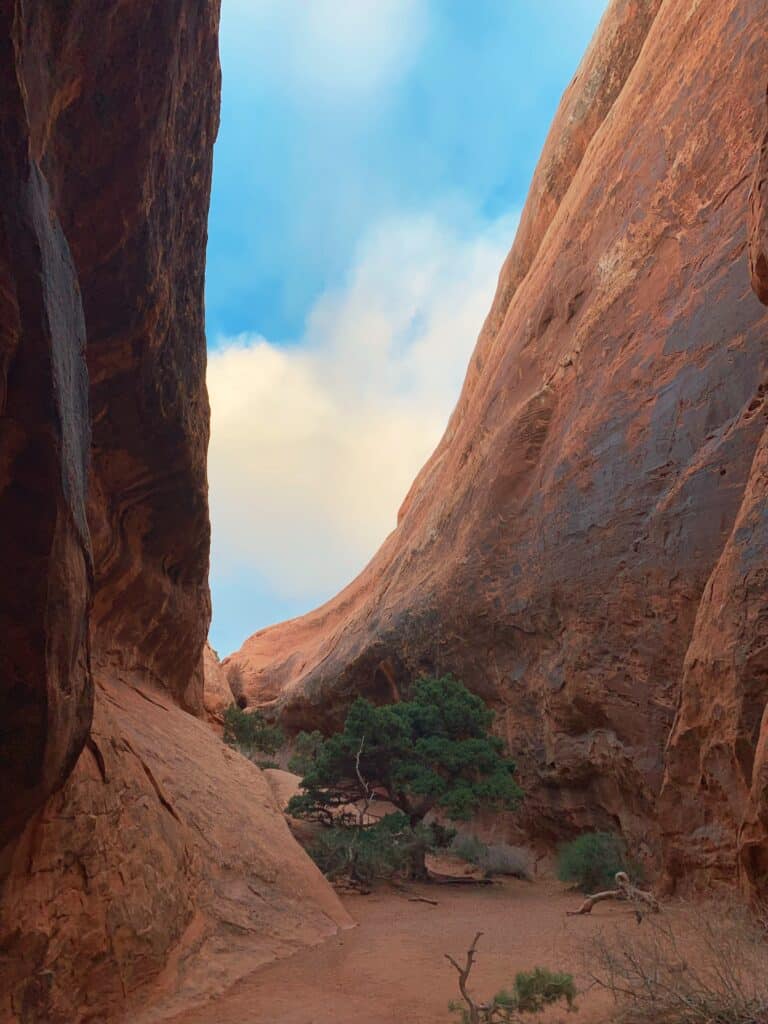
(624, 890)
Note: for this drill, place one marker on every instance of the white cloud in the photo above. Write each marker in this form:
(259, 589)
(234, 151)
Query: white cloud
(339, 51)
(314, 446)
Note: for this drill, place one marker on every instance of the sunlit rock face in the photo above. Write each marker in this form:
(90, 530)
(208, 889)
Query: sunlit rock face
(564, 548)
(132, 842)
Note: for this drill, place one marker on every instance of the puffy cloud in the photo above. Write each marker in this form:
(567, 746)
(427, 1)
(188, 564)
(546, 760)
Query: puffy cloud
(314, 445)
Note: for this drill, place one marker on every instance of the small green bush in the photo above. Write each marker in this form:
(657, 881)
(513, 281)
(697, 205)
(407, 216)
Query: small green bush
(592, 860)
(307, 746)
(250, 732)
(533, 992)
(539, 988)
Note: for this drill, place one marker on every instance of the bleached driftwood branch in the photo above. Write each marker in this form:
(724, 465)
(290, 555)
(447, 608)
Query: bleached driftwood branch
(624, 890)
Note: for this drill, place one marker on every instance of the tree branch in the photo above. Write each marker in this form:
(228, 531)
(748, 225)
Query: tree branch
(362, 811)
(464, 972)
(624, 890)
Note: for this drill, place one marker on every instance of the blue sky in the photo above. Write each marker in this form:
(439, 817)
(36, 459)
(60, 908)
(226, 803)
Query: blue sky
(372, 161)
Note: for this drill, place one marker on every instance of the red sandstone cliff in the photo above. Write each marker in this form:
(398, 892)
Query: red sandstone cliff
(139, 858)
(584, 548)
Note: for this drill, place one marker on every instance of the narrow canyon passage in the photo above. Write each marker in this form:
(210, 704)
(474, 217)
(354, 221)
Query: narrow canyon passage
(584, 553)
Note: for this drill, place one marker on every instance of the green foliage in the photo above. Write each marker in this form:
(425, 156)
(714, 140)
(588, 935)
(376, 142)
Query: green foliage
(592, 860)
(432, 752)
(539, 988)
(390, 847)
(250, 732)
(533, 992)
(307, 746)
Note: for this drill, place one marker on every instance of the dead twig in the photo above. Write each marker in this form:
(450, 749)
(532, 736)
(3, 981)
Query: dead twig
(474, 1009)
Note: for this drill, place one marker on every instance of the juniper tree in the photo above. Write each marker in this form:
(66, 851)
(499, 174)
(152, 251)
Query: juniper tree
(432, 752)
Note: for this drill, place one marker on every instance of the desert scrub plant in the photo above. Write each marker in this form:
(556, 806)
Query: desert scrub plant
(707, 966)
(592, 860)
(532, 992)
(306, 748)
(469, 848)
(502, 859)
(492, 858)
(251, 734)
(382, 850)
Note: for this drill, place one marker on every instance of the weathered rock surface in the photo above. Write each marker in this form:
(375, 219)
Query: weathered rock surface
(217, 695)
(45, 550)
(557, 551)
(163, 839)
(714, 806)
(141, 861)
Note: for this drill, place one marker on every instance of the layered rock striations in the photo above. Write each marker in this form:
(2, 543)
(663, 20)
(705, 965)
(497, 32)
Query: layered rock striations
(568, 550)
(140, 860)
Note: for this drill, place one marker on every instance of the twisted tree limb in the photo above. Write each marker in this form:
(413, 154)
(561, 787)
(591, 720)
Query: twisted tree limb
(624, 890)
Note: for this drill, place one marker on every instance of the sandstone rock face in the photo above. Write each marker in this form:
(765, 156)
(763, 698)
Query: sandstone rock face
(217, 695)
(141, 861)
(106, 184)
(714, 805)
(45, 550)
(557, 551)
(162, 841)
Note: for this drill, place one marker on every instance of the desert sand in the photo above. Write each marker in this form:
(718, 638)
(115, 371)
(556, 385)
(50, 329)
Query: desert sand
(390, 969)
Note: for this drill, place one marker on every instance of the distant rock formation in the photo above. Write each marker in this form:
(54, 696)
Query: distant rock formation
(584, 548)
(131, 840)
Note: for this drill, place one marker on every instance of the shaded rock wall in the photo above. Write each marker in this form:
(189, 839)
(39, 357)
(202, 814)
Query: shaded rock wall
(108, 126)
(714, 804)
(45, 550)
(132, 100)
(555, 549)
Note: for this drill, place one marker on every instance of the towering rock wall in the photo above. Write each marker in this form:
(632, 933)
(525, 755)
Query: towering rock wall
(561, 548)
(714, 805)
(46, 692)
(139, 858)
(109, 118)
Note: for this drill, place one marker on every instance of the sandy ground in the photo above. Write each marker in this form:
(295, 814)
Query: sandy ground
(391, 968)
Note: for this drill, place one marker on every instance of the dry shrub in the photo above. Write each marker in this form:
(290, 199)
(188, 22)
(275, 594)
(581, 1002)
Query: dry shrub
(707, 966)
(503, 859)
(493, 858)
